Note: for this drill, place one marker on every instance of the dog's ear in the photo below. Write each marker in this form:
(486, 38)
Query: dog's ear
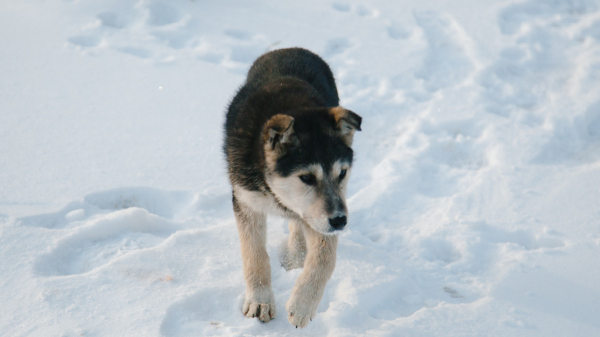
(279, 132)
(346, 122)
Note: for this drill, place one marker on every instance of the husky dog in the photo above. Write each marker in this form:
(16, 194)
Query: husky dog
(287, 144)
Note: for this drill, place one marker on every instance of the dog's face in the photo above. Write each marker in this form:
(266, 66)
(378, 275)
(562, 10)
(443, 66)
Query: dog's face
(308, 162)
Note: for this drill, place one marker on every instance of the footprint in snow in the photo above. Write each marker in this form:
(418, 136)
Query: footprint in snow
(112, 20)
(336, 46)
(365, 11)
(161, 14)
(85, 41)
(102, 240)
(397, 31)
(564, 13)
(447, 62)
(340, 6)
(164, 26)
(360, 10)
(205, 313)
(135, 51)
(236, 50)
(165, 204)
(210, 53)
(239, 34)
(524, 238)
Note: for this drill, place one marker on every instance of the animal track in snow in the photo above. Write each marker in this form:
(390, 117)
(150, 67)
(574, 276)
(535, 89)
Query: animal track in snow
(135, 51)
(447, 61)
(142, 30)
(397, 31)
(85, 41)
(159, 32)
(523, 238)
(209, 53)
(340, 6)
(239, 34)
(365, 11)
(438, 250)
(161, 14)
(512, 17)
(112, 19)
(69, 216)
(103, 240)
(206, 311)
(162, 203)
(235, 50)
(166, 204)
(336, 46)
(542, 64)
(360, 10)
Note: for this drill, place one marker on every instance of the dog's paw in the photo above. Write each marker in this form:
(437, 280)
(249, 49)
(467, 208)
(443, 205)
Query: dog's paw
(261, 307)
(263, 311)
(300, 312)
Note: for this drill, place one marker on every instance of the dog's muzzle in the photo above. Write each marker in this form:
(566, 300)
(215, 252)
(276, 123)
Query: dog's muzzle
(338, 223)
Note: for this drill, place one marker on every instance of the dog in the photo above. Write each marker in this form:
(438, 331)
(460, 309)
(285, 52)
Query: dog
(288, 149)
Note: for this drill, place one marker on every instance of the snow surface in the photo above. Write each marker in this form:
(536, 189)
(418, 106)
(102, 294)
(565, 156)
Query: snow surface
(475, 198)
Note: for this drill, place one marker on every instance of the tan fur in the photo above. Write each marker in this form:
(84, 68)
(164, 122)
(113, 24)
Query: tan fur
(293, 251)
(310, 286)
(306, 247)
(311, 243)
(346, 123)
(281, 127)
(259, 201)
(252, 228)
(304, 200)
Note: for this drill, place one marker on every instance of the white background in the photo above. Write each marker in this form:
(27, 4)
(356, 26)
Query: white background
(474, 200)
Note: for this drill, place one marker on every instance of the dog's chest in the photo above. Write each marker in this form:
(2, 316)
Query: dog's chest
(260, 202)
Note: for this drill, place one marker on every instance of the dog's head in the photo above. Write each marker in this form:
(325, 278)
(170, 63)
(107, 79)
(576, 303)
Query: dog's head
(308, 162)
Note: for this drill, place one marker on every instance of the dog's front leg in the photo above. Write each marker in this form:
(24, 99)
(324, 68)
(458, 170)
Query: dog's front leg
(310, 286)
(293, 251)
(252, 228)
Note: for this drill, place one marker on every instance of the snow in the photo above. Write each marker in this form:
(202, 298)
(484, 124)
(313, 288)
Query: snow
(474, 200)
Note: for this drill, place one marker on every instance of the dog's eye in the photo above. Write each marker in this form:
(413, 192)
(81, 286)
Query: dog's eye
(308, 179)
(342, 175)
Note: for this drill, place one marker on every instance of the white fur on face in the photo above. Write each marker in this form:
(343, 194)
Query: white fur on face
(309, 201)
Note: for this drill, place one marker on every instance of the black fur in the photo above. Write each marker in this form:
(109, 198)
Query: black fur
(294, 82)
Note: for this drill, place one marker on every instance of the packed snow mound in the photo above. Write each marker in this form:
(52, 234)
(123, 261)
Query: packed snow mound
(474, 198)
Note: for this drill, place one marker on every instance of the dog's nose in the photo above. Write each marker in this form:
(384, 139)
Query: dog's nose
(338, 223)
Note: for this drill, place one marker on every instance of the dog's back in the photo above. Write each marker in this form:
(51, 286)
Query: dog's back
(298, 63)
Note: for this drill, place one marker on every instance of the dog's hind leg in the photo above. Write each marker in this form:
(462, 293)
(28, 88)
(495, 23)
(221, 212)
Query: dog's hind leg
(293, 251)
(252, 228)
(310, 286)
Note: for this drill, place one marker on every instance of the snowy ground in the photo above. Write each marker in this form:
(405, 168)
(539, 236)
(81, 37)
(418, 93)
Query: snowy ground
(475, 198)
